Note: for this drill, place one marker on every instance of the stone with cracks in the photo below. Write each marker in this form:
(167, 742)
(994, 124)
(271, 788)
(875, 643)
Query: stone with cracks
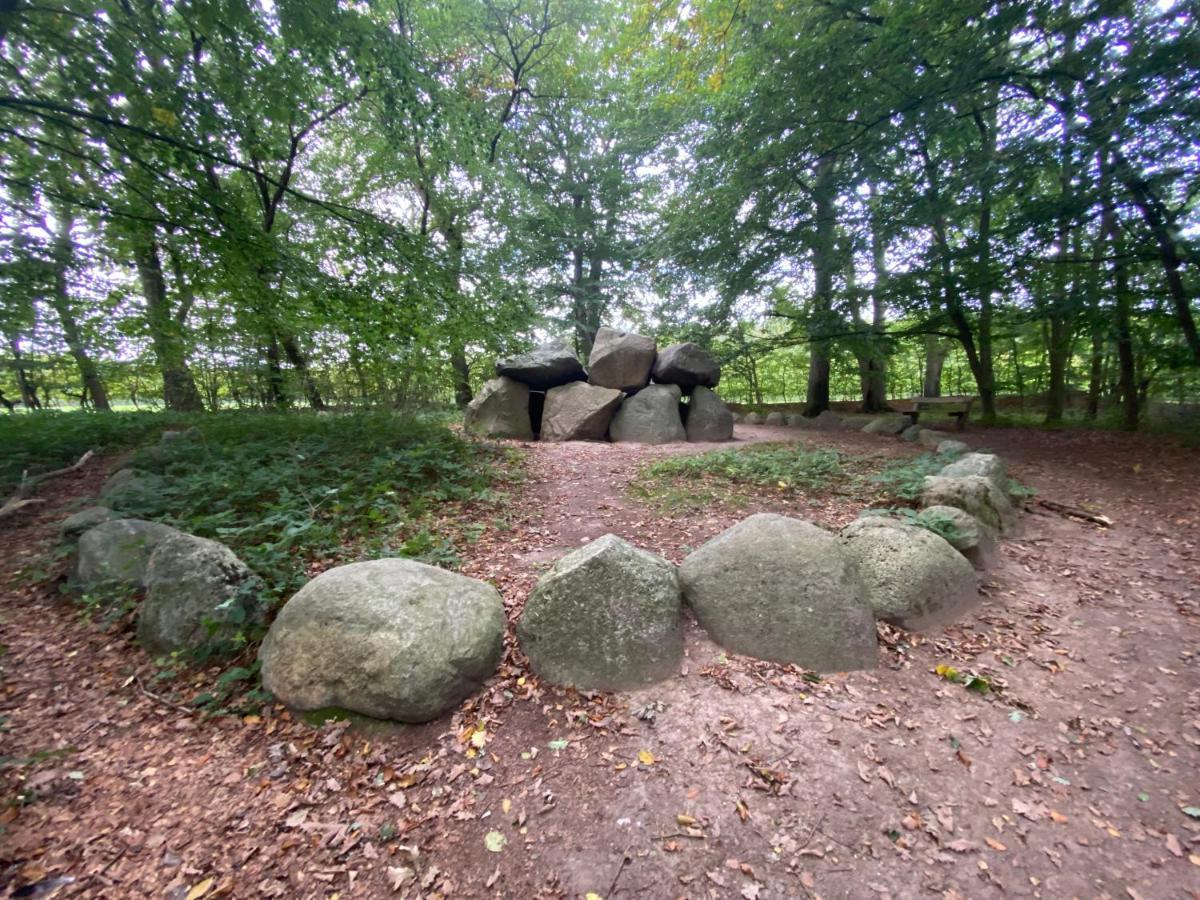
(913, 578)
(621, 360)
(74, 525)
(651, 416)
(973, 494)
(116, 554)
(964, 532)
(543, 367)
(578, 412)
(708, 418)
(501, 410)
(987, 465)
(686, 365)
(773, 418)
(886, 425)
(783, 590)
(391, 638)
(606, 617)
(198, 594)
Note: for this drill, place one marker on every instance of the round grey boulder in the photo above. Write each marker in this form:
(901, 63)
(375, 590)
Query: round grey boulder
(621, 360)
(773, 418)
(951, 447)
(930, 438)
(797, 420)
(973, 494)
(783, 590)
(754, 418)
(686, 365)
(911, 433)
(606, 617)
(914, 579)
(543, 367)
(117, 553)
(500, 410)
(198, 594)
(827, 420)
(135, 490)
(886, 425)
(965, 533)
(708, 418)
(986, 465)
(578, 412)
(391, 638)
(651, 416)
(74, 525)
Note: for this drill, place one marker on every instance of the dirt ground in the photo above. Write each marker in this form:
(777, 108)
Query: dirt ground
(1080, 777)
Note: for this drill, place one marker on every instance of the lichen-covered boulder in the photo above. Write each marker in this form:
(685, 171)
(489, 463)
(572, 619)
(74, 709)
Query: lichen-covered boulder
(135, 490)
(578, 412)
(686, 365)
(784, 590)
(708, 418)
(754, 418)
(74, 525)
(974, 494)
(391, 638)
(986, 465)
(886, 425)
(543, 367)
(116, 554)
(930, 438)
(913, 578)
(951, 447)
(198, 594)
(827, 420)
(651, 416)
(621, 360)
(962, 531)
(501, 410)
(606, 617)
(774, 418)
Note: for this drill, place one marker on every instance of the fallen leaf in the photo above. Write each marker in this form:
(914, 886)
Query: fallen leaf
(1058, 817)
(684, 819)
(962, 846)
(645, 757)
(1173, 845)
(994, 844)
(494, 841)
(200, 889)
(398, 876)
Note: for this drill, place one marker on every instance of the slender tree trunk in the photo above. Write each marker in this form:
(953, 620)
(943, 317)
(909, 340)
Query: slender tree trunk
(27, 388)
(299, 362)
(935, 361)
(1095, 372)
(1123, 302)
(179, 387)
(817, 399)
(985, 370)
(60, 300)
(277, 395)
(459, 367)
(873, 362)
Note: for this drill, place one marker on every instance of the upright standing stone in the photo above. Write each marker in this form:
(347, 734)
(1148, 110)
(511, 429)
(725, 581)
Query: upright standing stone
(621, 360)
(543, 367)
(606, 617)
(708, 418)
(578, 412)
(686, 365)
(651, 416)
(501, 410)
(783, 590)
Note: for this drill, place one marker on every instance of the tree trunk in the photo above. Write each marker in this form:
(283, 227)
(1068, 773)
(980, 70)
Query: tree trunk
(28, 391)
(817, 399)
(179, 387)
(1095, 372)
(277, 395)
(299, 362)
(463, 394)
(935, 361)
(984, 369)
(873, 360)
(60, 300)
(1123, 302)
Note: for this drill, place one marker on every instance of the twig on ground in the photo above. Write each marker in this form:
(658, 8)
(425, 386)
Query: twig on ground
(20, 498)
(621, 868)
(159, 698)
(1075, 512)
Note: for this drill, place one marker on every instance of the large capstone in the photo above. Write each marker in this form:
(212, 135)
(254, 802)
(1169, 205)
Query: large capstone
(391, 638)
(501, 410)
(651, 416)
(784, 590)
(686, 365)
(914, 579)
(74, 525)
(543, 367)
(965, 533)
(708, 418)
(621, 360)
(605, 617)
(578, 412)
(198, 595)
(974, 494)
(116, 554)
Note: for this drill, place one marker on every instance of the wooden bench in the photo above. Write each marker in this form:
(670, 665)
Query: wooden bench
(959, 407)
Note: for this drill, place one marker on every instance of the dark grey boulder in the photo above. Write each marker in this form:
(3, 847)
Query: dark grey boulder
(886, 425)
(965, 533)
(754, 418)
(827, 420)
(931, 438)
(797, 420)
(135, 490)
(708, 418)
(621, 360)
(951, 447)
(116, 554)
(543, 367)
(579, 412)
(500, 410)
(606, 617)
(784, 590)
(391, 638)
(774, 418)
(911, 433)
(651, 416)
(914, 579)
(686, 365)
(198, 595)
(74, 525)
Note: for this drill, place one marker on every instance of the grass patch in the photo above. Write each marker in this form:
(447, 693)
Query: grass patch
(694, 481)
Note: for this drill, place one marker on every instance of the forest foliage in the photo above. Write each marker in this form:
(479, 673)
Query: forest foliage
(277, 203)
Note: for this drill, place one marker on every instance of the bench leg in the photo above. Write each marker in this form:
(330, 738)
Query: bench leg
(962, 421)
